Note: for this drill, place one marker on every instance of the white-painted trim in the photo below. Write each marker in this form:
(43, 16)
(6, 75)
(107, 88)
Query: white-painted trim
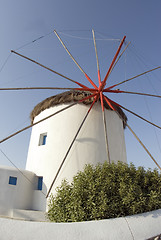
(138, 227)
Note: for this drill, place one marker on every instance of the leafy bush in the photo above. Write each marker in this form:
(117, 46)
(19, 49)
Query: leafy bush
(106, 191)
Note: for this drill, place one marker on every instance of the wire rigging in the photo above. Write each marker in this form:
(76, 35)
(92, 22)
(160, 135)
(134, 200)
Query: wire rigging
(5, 62)
(151, 119)
(104, 37)
(91, 39)
(140, 57)
(33, 41)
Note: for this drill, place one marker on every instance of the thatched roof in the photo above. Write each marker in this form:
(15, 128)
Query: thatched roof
(67, 97)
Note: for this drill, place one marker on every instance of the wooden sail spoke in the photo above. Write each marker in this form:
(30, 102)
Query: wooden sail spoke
(136, 93)
(106, 138)
(49, 88)
(109, 103)
(113, 61)
(137, 115)
(138, 139)
(98, 68)
(129, 79)
(94, 94)
(31, 125)
(68, 151)
(88, 78)
(101, 98)
(119, 57)
(145, 148)
(105, 128)
(37, 88)
(51, 70)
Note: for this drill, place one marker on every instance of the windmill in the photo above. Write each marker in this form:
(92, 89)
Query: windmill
(95, 93)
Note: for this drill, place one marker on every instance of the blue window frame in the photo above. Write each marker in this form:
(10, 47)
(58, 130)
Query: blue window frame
(12, 180)
(42, 139)
(40, 182)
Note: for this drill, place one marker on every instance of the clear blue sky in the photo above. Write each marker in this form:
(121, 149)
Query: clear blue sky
(23, 21)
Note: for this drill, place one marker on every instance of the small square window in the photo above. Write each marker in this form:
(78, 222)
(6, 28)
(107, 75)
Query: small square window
(42, 139)
(12, 180)
(40, 182)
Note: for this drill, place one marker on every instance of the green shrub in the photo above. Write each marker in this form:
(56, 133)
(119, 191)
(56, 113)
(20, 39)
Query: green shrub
(106, 191)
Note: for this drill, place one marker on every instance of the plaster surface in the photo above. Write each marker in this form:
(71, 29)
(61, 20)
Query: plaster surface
(138, 227)
(89, 146)
(23, 195)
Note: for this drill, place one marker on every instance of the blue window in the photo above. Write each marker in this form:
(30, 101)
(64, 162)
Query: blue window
(40, 182)
(42, 139)
(12, 180)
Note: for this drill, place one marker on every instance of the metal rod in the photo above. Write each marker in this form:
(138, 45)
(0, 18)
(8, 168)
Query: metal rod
(65, 157)
(51, 70)
(93, 84)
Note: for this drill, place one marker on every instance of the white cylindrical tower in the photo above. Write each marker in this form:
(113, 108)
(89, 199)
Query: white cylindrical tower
(50, 139)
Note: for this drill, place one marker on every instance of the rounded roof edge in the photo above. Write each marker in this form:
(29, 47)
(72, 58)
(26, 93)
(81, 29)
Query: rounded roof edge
(13, 169)
(67, 97)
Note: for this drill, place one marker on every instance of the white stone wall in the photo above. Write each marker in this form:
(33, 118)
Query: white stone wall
(138, 227)
(21, 195)
(89, 146)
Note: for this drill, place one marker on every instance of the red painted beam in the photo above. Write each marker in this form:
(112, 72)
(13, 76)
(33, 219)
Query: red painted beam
(93, 84)
(113, 61)
(109, 103)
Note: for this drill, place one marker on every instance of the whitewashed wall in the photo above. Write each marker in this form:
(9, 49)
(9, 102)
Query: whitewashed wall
(21, 195)
(138, 227)
(89, 146)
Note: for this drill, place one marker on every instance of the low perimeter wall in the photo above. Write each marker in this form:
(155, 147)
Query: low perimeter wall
(139, 227)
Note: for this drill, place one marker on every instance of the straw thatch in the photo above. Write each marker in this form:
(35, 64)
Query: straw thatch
(69, 97)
